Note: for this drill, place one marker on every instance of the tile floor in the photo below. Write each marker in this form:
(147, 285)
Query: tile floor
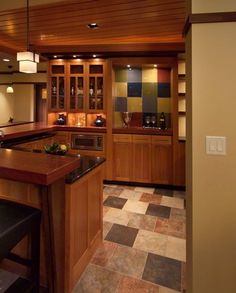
(144, 243)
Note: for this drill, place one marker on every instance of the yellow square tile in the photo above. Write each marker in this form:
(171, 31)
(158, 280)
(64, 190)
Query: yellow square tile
(134, 104)
(117, 119)
(149, 75)
(164, 105)
(120, 89)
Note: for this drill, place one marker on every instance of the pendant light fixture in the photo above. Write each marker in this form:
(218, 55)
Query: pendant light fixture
(27, 60)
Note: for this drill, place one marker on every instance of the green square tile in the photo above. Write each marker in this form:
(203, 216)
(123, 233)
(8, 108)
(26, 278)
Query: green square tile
(149, 89)
(134, 104)
(121, 75)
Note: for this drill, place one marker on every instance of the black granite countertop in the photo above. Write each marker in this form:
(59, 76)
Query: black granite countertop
(87, 163)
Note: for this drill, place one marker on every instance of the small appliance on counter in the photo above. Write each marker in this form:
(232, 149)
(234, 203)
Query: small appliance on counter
(61, 120)
(99, 121)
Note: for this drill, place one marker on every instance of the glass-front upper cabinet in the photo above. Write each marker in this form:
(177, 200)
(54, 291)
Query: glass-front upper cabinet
(96, 87)
(76, 87)
(57, 87)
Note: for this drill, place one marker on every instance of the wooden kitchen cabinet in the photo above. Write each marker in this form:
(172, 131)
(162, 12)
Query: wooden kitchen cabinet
(141, 152)
(57, 86)
(76, 86)
(122, 157)
(142, 158)
(162, 167)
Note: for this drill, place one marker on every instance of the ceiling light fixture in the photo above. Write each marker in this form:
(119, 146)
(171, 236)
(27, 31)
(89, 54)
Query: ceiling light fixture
(92, 25)
(54, 56)
(6, 60)
(128, 66)
(74, 56)
(94, 56)
(27, 60)
(155, 66)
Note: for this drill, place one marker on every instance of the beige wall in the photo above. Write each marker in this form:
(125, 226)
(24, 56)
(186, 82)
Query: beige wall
(20, 104)
(6, 104)
(24, 102)
(199, 6)
(211, 188)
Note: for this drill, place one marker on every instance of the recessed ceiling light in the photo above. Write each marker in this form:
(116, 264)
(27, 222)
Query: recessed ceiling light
(55, 56)
(94, 56)
(6, 60)
(92, 25)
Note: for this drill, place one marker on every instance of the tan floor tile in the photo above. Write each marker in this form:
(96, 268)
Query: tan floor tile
(151, 242)
(117, 216)
(178, 214)
(135, 206)
(161, 226)
(127, 261)
(131, 194)
(105, 210)
(176, 248)
(132, 285)
(172, 202)
(96, 279)
(144, 222)
(167, 290)
(103, 253)
(151, 198)
(177, 228)
(106, 228)
(113, 191)
(145, 189)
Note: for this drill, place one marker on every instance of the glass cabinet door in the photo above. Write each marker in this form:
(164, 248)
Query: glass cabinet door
(76, 86)
(57, 87)
(96, 98)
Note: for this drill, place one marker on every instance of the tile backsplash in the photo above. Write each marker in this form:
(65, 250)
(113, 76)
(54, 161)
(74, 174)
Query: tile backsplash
(142, 90)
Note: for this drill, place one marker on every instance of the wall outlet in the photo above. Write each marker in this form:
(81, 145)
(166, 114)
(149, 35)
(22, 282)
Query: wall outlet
(216, 145)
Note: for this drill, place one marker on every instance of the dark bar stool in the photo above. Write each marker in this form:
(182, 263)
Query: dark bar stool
(17, 221)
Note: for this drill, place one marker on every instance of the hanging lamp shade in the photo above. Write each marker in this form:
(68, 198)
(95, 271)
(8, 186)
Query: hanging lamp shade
(27, 60)
(10, 90)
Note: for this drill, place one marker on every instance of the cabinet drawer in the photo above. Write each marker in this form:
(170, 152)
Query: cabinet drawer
(122, 137)
(142, 138)
(161, 139)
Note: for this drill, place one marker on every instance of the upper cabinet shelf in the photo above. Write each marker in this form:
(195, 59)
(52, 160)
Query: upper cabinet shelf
(76, 86)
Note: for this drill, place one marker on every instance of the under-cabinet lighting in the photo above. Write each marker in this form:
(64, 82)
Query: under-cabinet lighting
(6, 60)
(155, 65)
(128, 66)
(94, 56)
(74, 56)
(54, 56)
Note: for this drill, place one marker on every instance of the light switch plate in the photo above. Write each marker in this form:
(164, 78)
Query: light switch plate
(216, 145)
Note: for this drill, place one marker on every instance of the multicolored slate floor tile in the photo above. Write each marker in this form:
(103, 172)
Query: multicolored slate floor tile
(144, 248)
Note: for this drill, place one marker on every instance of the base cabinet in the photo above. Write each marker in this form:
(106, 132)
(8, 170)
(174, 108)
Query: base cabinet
(122, 157)
(142, 158)
(162, 160)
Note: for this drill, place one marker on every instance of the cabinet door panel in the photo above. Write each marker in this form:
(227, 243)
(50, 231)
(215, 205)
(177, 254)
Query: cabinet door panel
(162, 163)
(141, 158)
(122, 158)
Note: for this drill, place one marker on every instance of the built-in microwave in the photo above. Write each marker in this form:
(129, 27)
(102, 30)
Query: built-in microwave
(87, 141)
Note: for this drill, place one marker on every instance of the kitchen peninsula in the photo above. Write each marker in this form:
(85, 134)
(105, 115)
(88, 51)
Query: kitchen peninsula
(68, 190)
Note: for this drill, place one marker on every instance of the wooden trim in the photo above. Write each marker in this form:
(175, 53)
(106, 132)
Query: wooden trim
(16, 71)
(214, 17)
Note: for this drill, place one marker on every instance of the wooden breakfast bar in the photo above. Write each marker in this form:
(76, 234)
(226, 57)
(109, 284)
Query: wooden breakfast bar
(68, 191)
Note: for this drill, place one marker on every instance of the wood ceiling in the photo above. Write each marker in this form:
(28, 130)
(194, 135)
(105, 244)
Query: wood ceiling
(124, 26)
